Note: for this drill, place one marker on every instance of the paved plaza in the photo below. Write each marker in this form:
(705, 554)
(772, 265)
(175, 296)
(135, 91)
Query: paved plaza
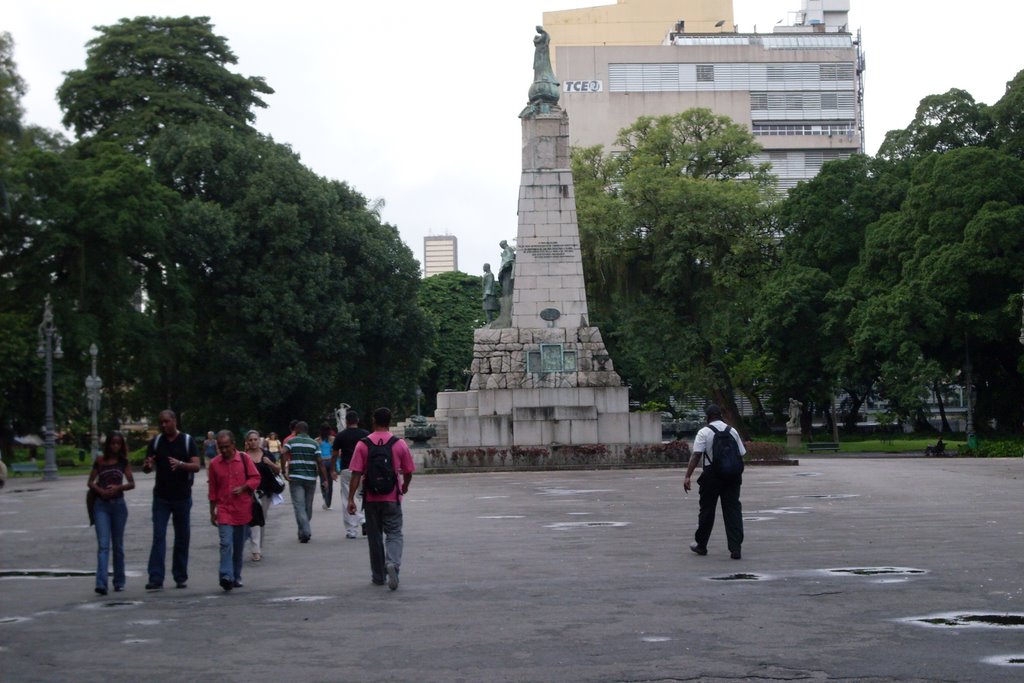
(552, 576)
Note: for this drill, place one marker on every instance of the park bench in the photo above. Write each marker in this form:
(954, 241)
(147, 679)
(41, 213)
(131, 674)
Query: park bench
(823, 446)
(18, 468)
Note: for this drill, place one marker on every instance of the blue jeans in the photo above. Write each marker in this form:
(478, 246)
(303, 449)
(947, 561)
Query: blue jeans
(302, 491)
(232, 542)
(164, 510)
(111, 516)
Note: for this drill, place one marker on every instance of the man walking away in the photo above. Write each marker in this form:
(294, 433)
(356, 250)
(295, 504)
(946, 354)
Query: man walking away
(383, 462)
(302, 463)
(175, 456)
(718, 480)
(341, 462)
(232, 478)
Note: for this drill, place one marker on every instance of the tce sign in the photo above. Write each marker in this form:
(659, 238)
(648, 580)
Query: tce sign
(583, 86)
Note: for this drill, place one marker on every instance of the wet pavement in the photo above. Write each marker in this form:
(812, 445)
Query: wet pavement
(872, 569)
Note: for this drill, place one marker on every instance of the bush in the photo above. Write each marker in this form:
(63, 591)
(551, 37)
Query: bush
(673, 452)
(762, 450)
(1002, 448)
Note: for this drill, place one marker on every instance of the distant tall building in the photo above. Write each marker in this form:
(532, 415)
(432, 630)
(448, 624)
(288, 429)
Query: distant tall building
(440, 254)
(799, 89)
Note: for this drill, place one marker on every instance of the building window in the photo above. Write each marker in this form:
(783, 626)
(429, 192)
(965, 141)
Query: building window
(835, 72)
(829, 100)
(758, 100)
(706, 73)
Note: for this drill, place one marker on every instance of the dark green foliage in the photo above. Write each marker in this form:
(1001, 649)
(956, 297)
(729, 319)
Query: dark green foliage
(217, 274)
(673, 242)
(452, 303)
(142, 75)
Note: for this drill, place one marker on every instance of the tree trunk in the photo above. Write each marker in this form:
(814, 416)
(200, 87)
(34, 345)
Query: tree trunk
(945, 428)
(856, 401)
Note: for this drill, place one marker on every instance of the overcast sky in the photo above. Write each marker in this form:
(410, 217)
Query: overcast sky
(417, 102)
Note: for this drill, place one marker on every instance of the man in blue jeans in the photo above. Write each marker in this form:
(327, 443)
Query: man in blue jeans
(302, 464)
(175, 456)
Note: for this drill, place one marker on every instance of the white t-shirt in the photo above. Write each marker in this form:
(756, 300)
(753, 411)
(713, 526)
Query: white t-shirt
(705, 438)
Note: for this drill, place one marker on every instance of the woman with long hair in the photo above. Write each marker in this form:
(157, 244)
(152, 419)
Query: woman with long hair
(110, 477)
(268, 468)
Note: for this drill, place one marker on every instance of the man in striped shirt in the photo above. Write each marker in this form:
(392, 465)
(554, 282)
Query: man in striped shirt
(302, 462)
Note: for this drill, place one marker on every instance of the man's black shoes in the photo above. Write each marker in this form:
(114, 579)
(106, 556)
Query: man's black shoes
(699, 549)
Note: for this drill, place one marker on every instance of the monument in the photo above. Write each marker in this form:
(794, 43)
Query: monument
(541, 375)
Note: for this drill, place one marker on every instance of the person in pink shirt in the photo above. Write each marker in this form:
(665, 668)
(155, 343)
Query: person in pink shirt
(383, 464)
(232, 478)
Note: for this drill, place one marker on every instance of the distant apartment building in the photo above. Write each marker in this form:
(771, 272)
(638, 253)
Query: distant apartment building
(798, 89)
(440, 254)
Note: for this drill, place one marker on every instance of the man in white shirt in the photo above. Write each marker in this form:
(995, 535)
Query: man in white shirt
(712, 487)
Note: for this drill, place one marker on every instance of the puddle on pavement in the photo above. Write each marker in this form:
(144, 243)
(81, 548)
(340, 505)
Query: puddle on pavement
(806, 474)
(138, 641)
(12, 531)
(301, 598)
(489, 497)
(1005, 660)
(579, 513)
(14, 620)
(1013, 620)
(501, 516)
(43, 573)
(758, 519)
(877, 571)
(25, 490)
(564, 525)
(571, 492)
(738, 577)
(801, 510)
(113, 604)
(655, 639)
(827, 496)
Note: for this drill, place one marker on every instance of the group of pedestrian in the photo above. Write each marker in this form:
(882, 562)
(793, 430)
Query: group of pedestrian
(376, 462)
(237, 481)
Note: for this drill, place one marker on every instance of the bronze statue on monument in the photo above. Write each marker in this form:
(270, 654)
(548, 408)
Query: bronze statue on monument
(544, 91)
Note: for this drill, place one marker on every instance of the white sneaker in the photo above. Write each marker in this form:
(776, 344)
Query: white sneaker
(351, 534)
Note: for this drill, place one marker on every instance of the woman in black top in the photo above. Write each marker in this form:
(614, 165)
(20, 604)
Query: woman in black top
(110, 477)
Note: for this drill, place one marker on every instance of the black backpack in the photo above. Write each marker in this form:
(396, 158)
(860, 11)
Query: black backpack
(380, 476)
(726, 463)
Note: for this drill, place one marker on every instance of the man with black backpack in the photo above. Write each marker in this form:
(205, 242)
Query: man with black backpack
(379, 462)
(722, 450)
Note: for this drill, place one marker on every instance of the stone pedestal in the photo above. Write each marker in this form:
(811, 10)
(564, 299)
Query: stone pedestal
(793, 439)
(547, 379)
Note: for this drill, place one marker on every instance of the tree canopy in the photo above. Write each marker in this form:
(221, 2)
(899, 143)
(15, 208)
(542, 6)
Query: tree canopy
(218, 275)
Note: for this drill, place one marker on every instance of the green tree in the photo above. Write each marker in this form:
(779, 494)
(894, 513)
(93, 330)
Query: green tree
(676, 231)
(949, 296)
(452, 303)
(142, 75)
(1008, 114)
(801, 321)
(942, 123)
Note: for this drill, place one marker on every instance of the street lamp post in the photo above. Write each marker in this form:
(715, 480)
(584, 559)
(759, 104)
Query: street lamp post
(49, 348)
(93, 384)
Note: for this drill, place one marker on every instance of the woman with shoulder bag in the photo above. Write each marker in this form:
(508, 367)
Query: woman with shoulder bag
(268, 469)
(110, 477)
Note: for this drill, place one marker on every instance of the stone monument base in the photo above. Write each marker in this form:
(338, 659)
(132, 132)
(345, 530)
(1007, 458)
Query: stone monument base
(793, 440)
(544, 417)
